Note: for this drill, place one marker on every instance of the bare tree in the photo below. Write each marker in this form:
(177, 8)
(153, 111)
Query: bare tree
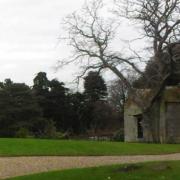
(159, 19)
(118, 93)
(160, 22)
(91, 37)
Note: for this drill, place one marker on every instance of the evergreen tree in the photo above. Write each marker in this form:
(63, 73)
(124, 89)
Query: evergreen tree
(41, 82)
(58, 104)
(41, 91)
(18, 108)
(95, 94)
(76, 113)
(95, 87)
(52, 98)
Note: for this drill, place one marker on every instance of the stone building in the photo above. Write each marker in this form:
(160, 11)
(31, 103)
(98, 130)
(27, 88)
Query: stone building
(165, 112)
(165, 119)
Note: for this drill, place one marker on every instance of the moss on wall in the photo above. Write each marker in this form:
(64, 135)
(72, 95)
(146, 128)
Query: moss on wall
(172, 94)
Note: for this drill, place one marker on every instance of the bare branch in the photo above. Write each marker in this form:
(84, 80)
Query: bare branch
(159, 19)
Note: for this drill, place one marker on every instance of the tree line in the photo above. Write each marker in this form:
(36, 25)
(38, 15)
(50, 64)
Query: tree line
(50, 110)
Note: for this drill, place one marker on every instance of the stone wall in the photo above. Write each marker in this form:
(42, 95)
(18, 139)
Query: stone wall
(171, 115)
(164, 119)
(130, 122)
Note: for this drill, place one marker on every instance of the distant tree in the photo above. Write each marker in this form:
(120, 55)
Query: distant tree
(41, 92)
(39, 126)
(77, 113)
(18, 108)
(95, 96)
(58, 106)
(117, 95)
(118, 92)
(95, 87)
(41, 82)
(101, 116)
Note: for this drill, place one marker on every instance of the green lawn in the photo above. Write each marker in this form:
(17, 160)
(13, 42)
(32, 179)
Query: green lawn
(143, 171)
(29, 147)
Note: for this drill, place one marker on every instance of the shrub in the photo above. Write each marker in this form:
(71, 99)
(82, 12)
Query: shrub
(51, 132)
(119, 135)
(50, 129)
(22, 133)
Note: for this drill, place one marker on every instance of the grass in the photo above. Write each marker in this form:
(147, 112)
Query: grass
(148, 171)
(36, 147)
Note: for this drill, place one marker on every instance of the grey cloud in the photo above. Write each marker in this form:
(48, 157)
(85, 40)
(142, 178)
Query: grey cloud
(29, 35)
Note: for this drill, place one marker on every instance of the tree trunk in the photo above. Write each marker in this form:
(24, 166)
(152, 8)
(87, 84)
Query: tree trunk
(147, 126)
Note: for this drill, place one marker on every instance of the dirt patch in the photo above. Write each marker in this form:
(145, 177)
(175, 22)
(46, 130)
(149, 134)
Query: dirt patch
(163, 166)
(129, 168)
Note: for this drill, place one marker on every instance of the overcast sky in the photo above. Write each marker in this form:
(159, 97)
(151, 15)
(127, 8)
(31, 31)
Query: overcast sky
(29, 31)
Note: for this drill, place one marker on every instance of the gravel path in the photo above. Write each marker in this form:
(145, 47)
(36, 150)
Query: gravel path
(17, 166)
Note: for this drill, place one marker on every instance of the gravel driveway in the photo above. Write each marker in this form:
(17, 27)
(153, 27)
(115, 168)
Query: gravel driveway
(17, 166)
